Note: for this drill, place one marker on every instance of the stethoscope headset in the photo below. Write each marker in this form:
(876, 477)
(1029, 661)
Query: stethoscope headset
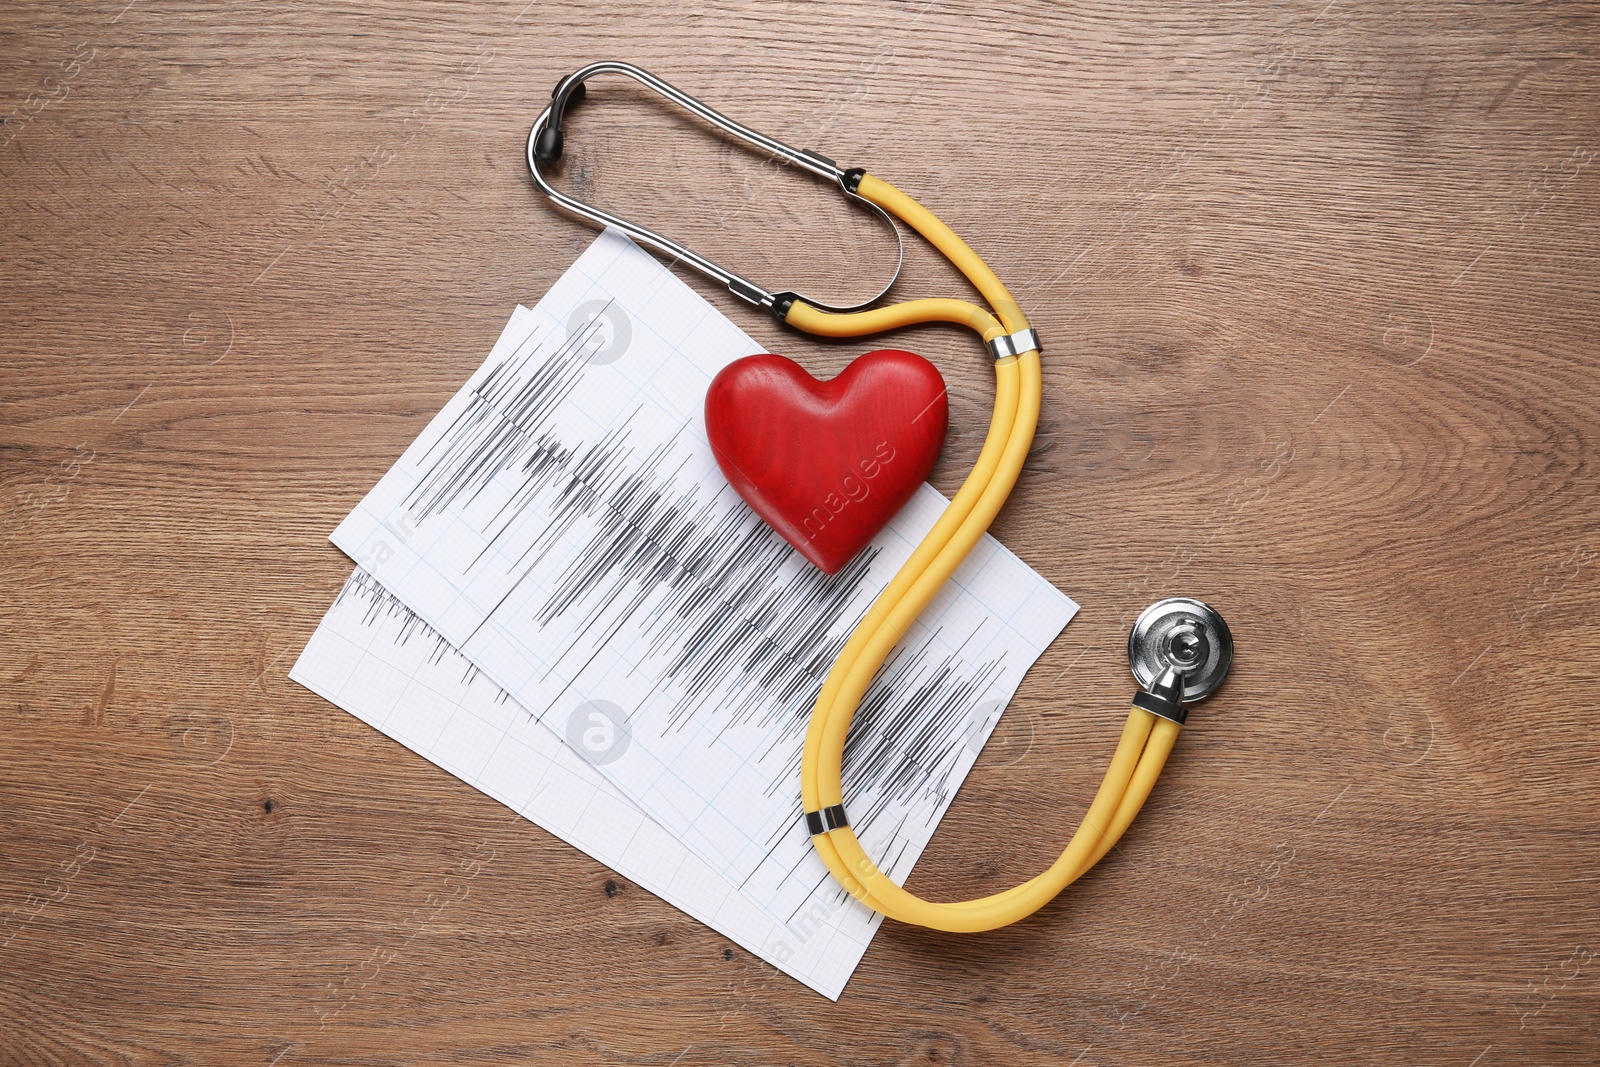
(1179, 649)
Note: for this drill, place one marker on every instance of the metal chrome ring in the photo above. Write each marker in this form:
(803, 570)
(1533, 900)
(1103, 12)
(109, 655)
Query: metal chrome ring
(1014, 344)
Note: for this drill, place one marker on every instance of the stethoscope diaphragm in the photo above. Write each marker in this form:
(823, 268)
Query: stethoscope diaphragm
(1185, 635)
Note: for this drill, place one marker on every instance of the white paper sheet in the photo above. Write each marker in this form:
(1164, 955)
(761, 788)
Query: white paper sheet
(375, 659)
(562, 522)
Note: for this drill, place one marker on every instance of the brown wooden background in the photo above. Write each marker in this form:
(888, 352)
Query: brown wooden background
(1318, 287)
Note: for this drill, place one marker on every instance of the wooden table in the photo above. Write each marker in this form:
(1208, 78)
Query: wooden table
(1317, 283)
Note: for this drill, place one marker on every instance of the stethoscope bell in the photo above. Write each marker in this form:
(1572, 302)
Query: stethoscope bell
(1184, 635)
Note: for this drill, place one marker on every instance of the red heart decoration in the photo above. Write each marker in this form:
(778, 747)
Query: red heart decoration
(827, 464)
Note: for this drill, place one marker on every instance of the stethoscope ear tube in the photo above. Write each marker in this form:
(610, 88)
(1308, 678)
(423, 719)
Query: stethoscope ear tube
(547, 140)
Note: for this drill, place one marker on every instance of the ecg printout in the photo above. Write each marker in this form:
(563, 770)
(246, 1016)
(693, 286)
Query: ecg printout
(563, 524)
(374, 658)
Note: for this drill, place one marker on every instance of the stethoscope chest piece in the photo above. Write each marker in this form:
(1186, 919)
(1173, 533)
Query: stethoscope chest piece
(1184, 635)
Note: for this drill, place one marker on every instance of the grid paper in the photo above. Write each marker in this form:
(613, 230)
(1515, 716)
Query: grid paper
(374, 658)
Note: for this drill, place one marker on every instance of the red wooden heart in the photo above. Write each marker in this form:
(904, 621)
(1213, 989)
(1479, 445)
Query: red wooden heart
(827, 464)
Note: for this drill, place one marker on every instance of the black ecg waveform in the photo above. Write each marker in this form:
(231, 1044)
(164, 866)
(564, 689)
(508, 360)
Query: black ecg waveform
(928, 709)
(738, 629)
(381, 604)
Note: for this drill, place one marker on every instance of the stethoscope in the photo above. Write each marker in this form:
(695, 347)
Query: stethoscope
(1180, 649)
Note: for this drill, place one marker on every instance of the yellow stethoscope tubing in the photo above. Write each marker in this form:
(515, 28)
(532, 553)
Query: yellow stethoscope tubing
(1146, 739)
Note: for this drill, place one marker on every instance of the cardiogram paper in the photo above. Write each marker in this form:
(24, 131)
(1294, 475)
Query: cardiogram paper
(374, 658)
(563, 524)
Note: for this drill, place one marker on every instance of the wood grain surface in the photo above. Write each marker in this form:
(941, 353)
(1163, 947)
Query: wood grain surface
(1318, 288)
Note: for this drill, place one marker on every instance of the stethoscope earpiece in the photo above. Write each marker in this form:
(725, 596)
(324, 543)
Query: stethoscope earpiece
(547, 146)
